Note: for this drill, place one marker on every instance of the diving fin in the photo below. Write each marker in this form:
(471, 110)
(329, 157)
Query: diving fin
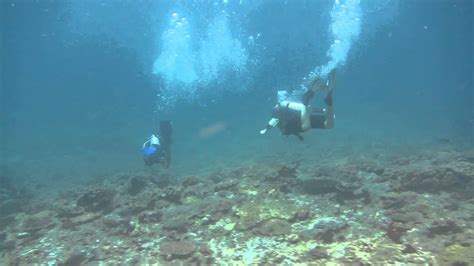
(166, 130)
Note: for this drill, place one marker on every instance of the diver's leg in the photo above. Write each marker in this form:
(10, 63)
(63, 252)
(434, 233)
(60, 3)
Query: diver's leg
(329, 111)
(317, 118)
(306, 119)
(323, 118)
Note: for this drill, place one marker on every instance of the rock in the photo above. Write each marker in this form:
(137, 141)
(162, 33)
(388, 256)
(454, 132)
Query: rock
(6, 221)
(147, 217)
(213, 209)
(395, 231)
(456, 254)
(317, 253)
(37, 222)
(327, 230)
(200, 190)
(226, 185)
(293, 238)
(318, 186)
(284, 181)
(7, 245)
(178, 218)
(443, 228)
(10, 206)
(229, 227)
(274, 227)
(408, 249)
(114, 221)
(97, 200)
(75, 258)
(136, 184)
(191, 181)
(68, 211)
(301, 215)
(81, 219)
(286, 172)
(172, 194)
(439, 172)
(171, 250)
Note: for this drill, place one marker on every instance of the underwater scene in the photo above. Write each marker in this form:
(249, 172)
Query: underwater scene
(236, 132)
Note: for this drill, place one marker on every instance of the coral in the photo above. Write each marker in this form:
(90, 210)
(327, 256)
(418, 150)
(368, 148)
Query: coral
(171, 250)
(443, 227)
(150, 217)
(274, 227)
(199, 190)
(172, 194)
(97, 200)
(226, 185)
(317, 253)
(181, 218)
(344, 210)
(327, 230)
(136, 184)
(88, 217)
(6, 221)
(39, 221)
(284, 180)
(252, 214)
(318, 186)
(301, 215)
(286, 172)
(191, 181)
(178, 218)
(74, 258)
(293, 238)
(395, 231)
(444, 172)
(457, 255)
(11, 206)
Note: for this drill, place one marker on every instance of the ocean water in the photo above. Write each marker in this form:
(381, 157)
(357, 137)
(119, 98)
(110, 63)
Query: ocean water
(85, 83)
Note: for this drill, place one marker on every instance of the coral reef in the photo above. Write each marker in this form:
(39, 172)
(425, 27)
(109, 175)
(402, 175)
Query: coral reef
(414, 209)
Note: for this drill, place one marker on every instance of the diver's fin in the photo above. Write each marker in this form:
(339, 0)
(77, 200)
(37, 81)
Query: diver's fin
(332, 80)
(307, 97)
(166, 130)
(317, 85)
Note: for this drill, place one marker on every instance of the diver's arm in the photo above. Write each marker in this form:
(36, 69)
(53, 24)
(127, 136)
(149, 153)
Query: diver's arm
(146, 143)
(272, 123)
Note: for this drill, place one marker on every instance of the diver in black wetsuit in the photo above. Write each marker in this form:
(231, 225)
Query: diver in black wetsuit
(157, 149)
(294, 118)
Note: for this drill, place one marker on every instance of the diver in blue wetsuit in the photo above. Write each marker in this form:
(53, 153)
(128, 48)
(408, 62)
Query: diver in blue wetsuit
(157, 149)
(294, 118)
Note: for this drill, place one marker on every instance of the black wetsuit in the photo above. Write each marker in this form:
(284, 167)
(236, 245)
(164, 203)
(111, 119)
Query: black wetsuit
(289, 121)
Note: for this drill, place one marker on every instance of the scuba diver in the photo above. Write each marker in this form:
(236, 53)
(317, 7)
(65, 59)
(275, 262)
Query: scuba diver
(157, 149)
(294, 118)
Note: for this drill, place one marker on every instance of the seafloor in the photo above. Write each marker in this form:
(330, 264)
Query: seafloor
(376, 207)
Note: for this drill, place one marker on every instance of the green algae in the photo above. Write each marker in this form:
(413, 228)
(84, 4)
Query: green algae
(457, 254)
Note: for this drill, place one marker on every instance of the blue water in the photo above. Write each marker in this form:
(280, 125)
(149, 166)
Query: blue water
(84, 83)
